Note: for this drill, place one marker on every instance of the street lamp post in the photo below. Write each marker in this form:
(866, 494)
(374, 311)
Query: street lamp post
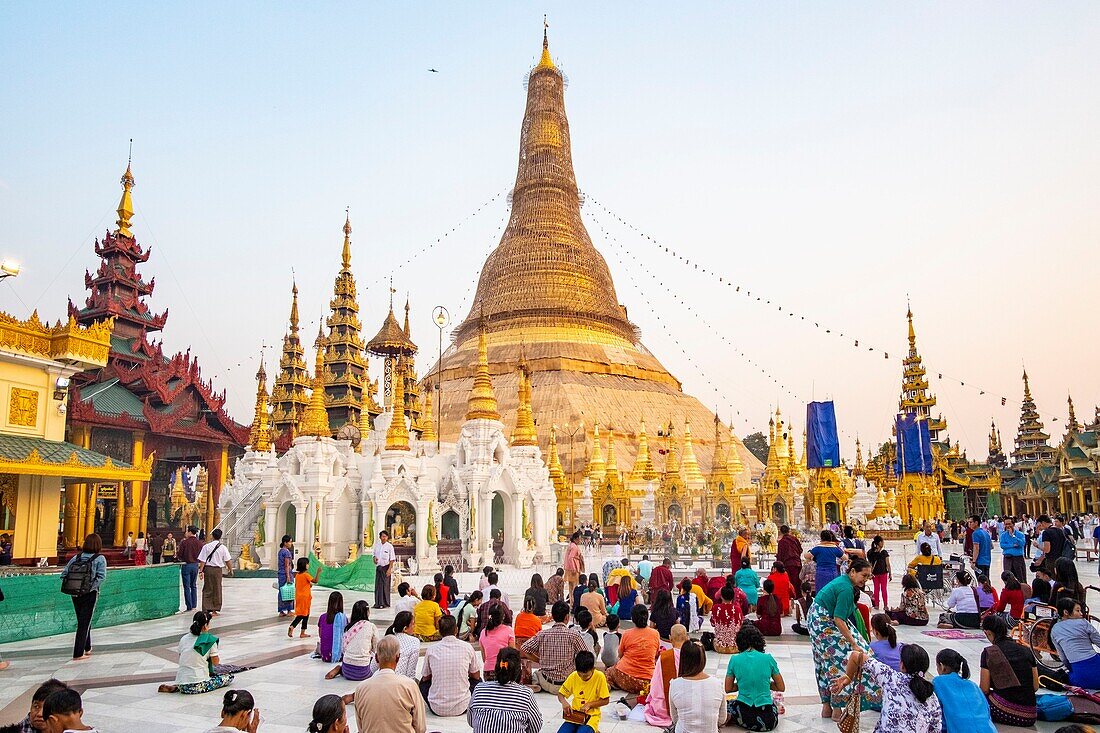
(9, 269)
(572, 429)
(442, 318)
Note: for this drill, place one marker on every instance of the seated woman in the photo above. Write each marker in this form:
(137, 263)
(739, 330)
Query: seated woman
(687, 606)
(924, 558)
(527, 622)
(627, 597)
(593, 600)
(1077, 640)
(769, 611)
(1009, 676)
(782, 584)
(801, 608)
(753, 674)
(357, 646)
(962, 605)
(664, 615)
(1066, 583)
(238, 712)
(664, 671)
(1011, 598)
(331, 627)
(908, 700)
(426, 615)
(726, 618)
(965, 709)
(987, 594)
(198, 650)
(748, 581)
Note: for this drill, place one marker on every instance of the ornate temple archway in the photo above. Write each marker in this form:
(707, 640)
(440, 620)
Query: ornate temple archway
(288, 520)
(675, 513)
(400, 522)
(722, 511)
(450, 525)
(832, 511)
(609, 515)
(779, 512)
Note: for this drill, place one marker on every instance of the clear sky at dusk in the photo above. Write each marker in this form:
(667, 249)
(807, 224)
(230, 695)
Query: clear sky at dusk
(834, 158)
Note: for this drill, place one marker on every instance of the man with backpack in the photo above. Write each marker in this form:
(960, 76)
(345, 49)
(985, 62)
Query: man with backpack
(81, 579)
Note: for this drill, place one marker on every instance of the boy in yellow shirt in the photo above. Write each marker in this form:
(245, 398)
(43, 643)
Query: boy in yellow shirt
(589, 692)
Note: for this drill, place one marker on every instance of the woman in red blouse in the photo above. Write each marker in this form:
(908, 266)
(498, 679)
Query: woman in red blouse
(1012, 597)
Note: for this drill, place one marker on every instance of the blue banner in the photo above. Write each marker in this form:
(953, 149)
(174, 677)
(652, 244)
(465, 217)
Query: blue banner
(914, 454)
(822, 444)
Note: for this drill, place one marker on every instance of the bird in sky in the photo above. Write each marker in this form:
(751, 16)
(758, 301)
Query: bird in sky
(434, 71)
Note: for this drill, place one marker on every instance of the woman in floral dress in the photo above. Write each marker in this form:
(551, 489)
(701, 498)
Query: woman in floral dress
(834, 636)
(726, 618)
(908, 700)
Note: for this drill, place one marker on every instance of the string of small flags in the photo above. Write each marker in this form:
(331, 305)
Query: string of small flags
(857, 343)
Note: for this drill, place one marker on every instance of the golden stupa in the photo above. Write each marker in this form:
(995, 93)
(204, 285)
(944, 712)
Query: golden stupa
(546, 295)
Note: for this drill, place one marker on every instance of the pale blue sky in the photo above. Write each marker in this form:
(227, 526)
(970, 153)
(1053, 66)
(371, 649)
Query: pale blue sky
(833, 157)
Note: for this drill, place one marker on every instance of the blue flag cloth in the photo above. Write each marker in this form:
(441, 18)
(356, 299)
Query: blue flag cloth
(914, 453)
(822, 444)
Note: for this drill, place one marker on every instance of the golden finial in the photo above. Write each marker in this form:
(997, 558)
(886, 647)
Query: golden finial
(260, 435)
(346, 256)
(546, 62)
(557, 473)
(597, 467)
(482, 403)
(408, 331)
(126, 204)
(912, 333)
(428, 433)
(1071, 424)
(397, 435)
(643, 463)
(689, 462)
(524, 434)
(1027, 386)
(314, 420)
(294, 308)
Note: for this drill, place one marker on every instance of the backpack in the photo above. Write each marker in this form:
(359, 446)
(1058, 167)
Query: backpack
(80, 576)
(1069, 549)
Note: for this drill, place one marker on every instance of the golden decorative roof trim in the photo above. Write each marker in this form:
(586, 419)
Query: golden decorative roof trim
(67, 341)
(34, 465)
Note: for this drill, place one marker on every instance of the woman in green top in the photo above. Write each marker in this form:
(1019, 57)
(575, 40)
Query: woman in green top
(834, 635)
(753, 674)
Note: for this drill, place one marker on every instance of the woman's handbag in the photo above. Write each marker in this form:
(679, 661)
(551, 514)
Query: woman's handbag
(849, 719)
(286, 592)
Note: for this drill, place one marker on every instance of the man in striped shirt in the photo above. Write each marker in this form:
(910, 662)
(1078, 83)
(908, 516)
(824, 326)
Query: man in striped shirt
(554, 649)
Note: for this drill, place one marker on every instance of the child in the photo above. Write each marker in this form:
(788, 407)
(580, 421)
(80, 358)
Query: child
(303, 596)
(885, 647)
(688, 607)
(331, 627)
(965, 707)
(611, 638)
(62, 711)
(585, 624)
(782, 584)
(768, 611)
(881, 573)
(748, 581)
(726, 618)
(802, 608)
(582, 695)
(483, 581)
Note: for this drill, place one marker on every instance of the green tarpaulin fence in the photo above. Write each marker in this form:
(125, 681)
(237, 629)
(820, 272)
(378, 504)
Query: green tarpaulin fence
(358, 575)
(34, 605)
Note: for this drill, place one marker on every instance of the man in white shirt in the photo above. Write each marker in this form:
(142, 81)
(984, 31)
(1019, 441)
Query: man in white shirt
(384, 557)
(214, 559)
(449, 668)
(930, 538)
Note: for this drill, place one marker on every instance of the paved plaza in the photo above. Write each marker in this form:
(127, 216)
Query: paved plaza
(121, 678)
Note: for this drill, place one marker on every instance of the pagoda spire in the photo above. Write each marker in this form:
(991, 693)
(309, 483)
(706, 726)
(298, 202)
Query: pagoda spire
(1072, 425)
(126, 204)
(1032, 442)
(597, 466)
(546, 61)
(260, 435)
(553, 462)
(428, 434)
(859, 470)
(482, 403)
(524, 434)
(314, 420)
(408, 331)
(289, 396)
(346, 370)
(915, 395)
(397, 435)
(643, 469)
(612, 462)
(689, 462)
(733, 456)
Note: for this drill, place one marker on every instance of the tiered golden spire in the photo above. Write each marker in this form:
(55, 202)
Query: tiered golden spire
(482, 403)
(346, 375)
(859, 470)
(733, 457)
(288, 396)
(126, 204)
(690, 463)
(260, 435)
(672, 458)
(546, 62)
(1071, 423)
(397, 435)
(524, 434)
(597, 466)
(557, 473)
(643, 469)
(427, 421)
(612, 471)
(314, 420)
(364, 419)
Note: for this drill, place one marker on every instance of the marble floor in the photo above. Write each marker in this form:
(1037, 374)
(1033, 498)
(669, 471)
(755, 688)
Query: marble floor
(119, 681)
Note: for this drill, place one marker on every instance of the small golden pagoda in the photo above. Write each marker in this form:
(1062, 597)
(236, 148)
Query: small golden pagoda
(290, 395)
(259, 436)
(314, 420)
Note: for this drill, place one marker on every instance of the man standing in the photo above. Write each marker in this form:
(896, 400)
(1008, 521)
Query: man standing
(740, 549)
(930, 538)
(1012, 542)
(388, 702)
(573, 563)
(660, 579)
(450, 670)
(384, 557)
(168, 551)
(213, 561)
(789, 552)
(156, 545)
(554, 649)
(982, 552)
(188, 554)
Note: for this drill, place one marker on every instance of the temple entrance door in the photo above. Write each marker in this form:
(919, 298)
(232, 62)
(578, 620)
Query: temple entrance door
(610, 515)
(497, 525)
(450, 525)
(290, 523)
(675, 513)
(832, 512)
(106, 510)
(779, 512)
